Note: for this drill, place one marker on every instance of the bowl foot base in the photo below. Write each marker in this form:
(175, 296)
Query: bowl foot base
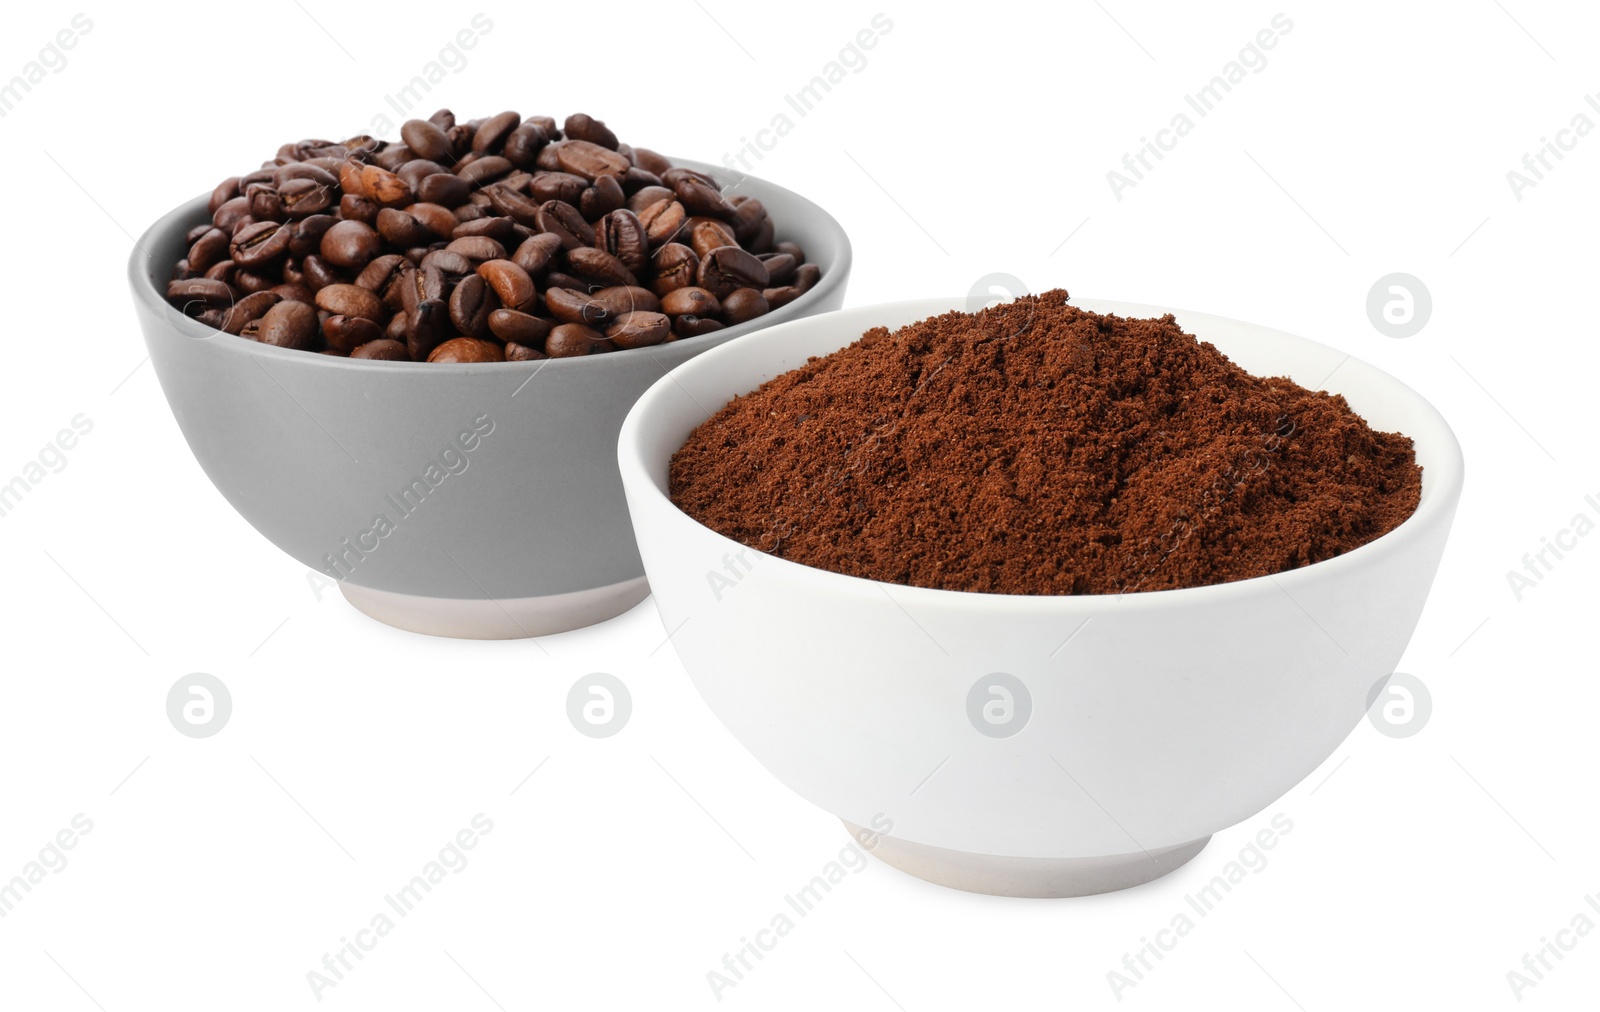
(491, 619)
(1036, 877)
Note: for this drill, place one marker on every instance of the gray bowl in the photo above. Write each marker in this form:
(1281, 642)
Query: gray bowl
(478, 501)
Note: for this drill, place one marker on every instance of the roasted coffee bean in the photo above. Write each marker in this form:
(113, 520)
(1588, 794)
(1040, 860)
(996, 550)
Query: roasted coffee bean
(289, 325)
(622, 299)
(250, 282)
(384, 350)
(636, 179)
(471, 302)
(639, 330)
(427, 327)
(780, 267)
(306, 234)
(293, 293)
(676, 266)
(777, 297)
(511, 325)
(536, 252)
(748, 214)
(689, 325)
(193, 235)
(423, 284)
(598, 266)
(793, 249)
(603, 197)
(447, 190)
(806, 276)
(650, 161)
(448, 262)
(347, 333)
(259, 244)
(662, 221)
(743, 304)
(351, 300)
(195, 295)
(228, 215)
(566, 223)
(573, 306)
(223, 270)
(225, 191)
(761, 241)
(620, 234)
(522, 353)
(562, 186)
(589, 160)
(730, 267)
(583, 127)
(402, 229)
(477, 248)
(440, 220)
(350, 245)
(501, 230)
(572, 339)
(641, 199)
(509, 202)
(418, 169)
(210, 249)
(485, 170)
(304, 197)
(426, 139)
(249, 309)
(523, 144)
(265, 204)
(691, 300)
(492, 133)
(707, 234)
(318, 273)
(354, 207)
(700, 197)
(380, 275)
(467, 350)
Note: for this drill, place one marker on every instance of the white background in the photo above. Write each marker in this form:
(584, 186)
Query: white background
(219, 871)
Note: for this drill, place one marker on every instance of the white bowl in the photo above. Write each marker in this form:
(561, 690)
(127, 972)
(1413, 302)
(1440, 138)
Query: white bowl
(1157, 718)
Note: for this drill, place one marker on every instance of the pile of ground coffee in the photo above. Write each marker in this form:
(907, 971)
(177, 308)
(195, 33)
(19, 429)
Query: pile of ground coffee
(1034, 448)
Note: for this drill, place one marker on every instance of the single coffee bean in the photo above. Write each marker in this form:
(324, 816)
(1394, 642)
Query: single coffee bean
(265, 204)
(566, 223)
(467, 350)
(427, 327)
(536, 252)
(598, 266)
(730, 267)
(290, 325)
(492, 133)
(700, 197)
(208, 250)
(477, 248)
(225, 191)
(807, 275)
(707, 234)
(230, 213)
(510, 282)
(650, 161)
(583, 127)
(380, 276)
(509, 202)
(249, 309)
(259, 244)
(572, 339)
(793, 249)
(304, 197)
(293, 293)
(423, 284)
(471, 302)
(446, 190)
(562, 186)
(778, 297)
(250, 282)
(662, 221)
(748, 215)
(485, 170)
(590, 160)
(561, 279)
(383, 350)
(676, 266)
(620, 300)
(743, 304)
(351, 300)
(195, 295)
(639, 330)
(501, 229)
(347, 333)
(351, 245)
(620, 234)
(306, 234)
(641, 199)
(522, 353)
(780, 267)
(573, 306)
(603, 197)
(223, 270)
(426, 139)
(319, 273)
(689, 325)
(636, 179)
(523, 144)
(383, 187)
(511, 325)
(690, 300)
(418, 169)
(441, 221)
(448, 262)
(399, 228)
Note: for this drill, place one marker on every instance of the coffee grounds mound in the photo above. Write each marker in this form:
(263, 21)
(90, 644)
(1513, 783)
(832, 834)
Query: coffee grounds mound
(1035, 448)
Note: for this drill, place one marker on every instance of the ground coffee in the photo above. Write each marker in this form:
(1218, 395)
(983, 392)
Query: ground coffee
(1034, 448)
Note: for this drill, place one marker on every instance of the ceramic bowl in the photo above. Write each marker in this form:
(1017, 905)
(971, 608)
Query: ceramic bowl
(1033, 745)
(463, 500)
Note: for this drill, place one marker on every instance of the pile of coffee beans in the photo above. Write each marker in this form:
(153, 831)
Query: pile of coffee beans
(498, 239)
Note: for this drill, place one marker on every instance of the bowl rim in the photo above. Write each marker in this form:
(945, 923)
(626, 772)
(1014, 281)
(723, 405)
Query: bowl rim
(178, 220)
(1441, 490)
